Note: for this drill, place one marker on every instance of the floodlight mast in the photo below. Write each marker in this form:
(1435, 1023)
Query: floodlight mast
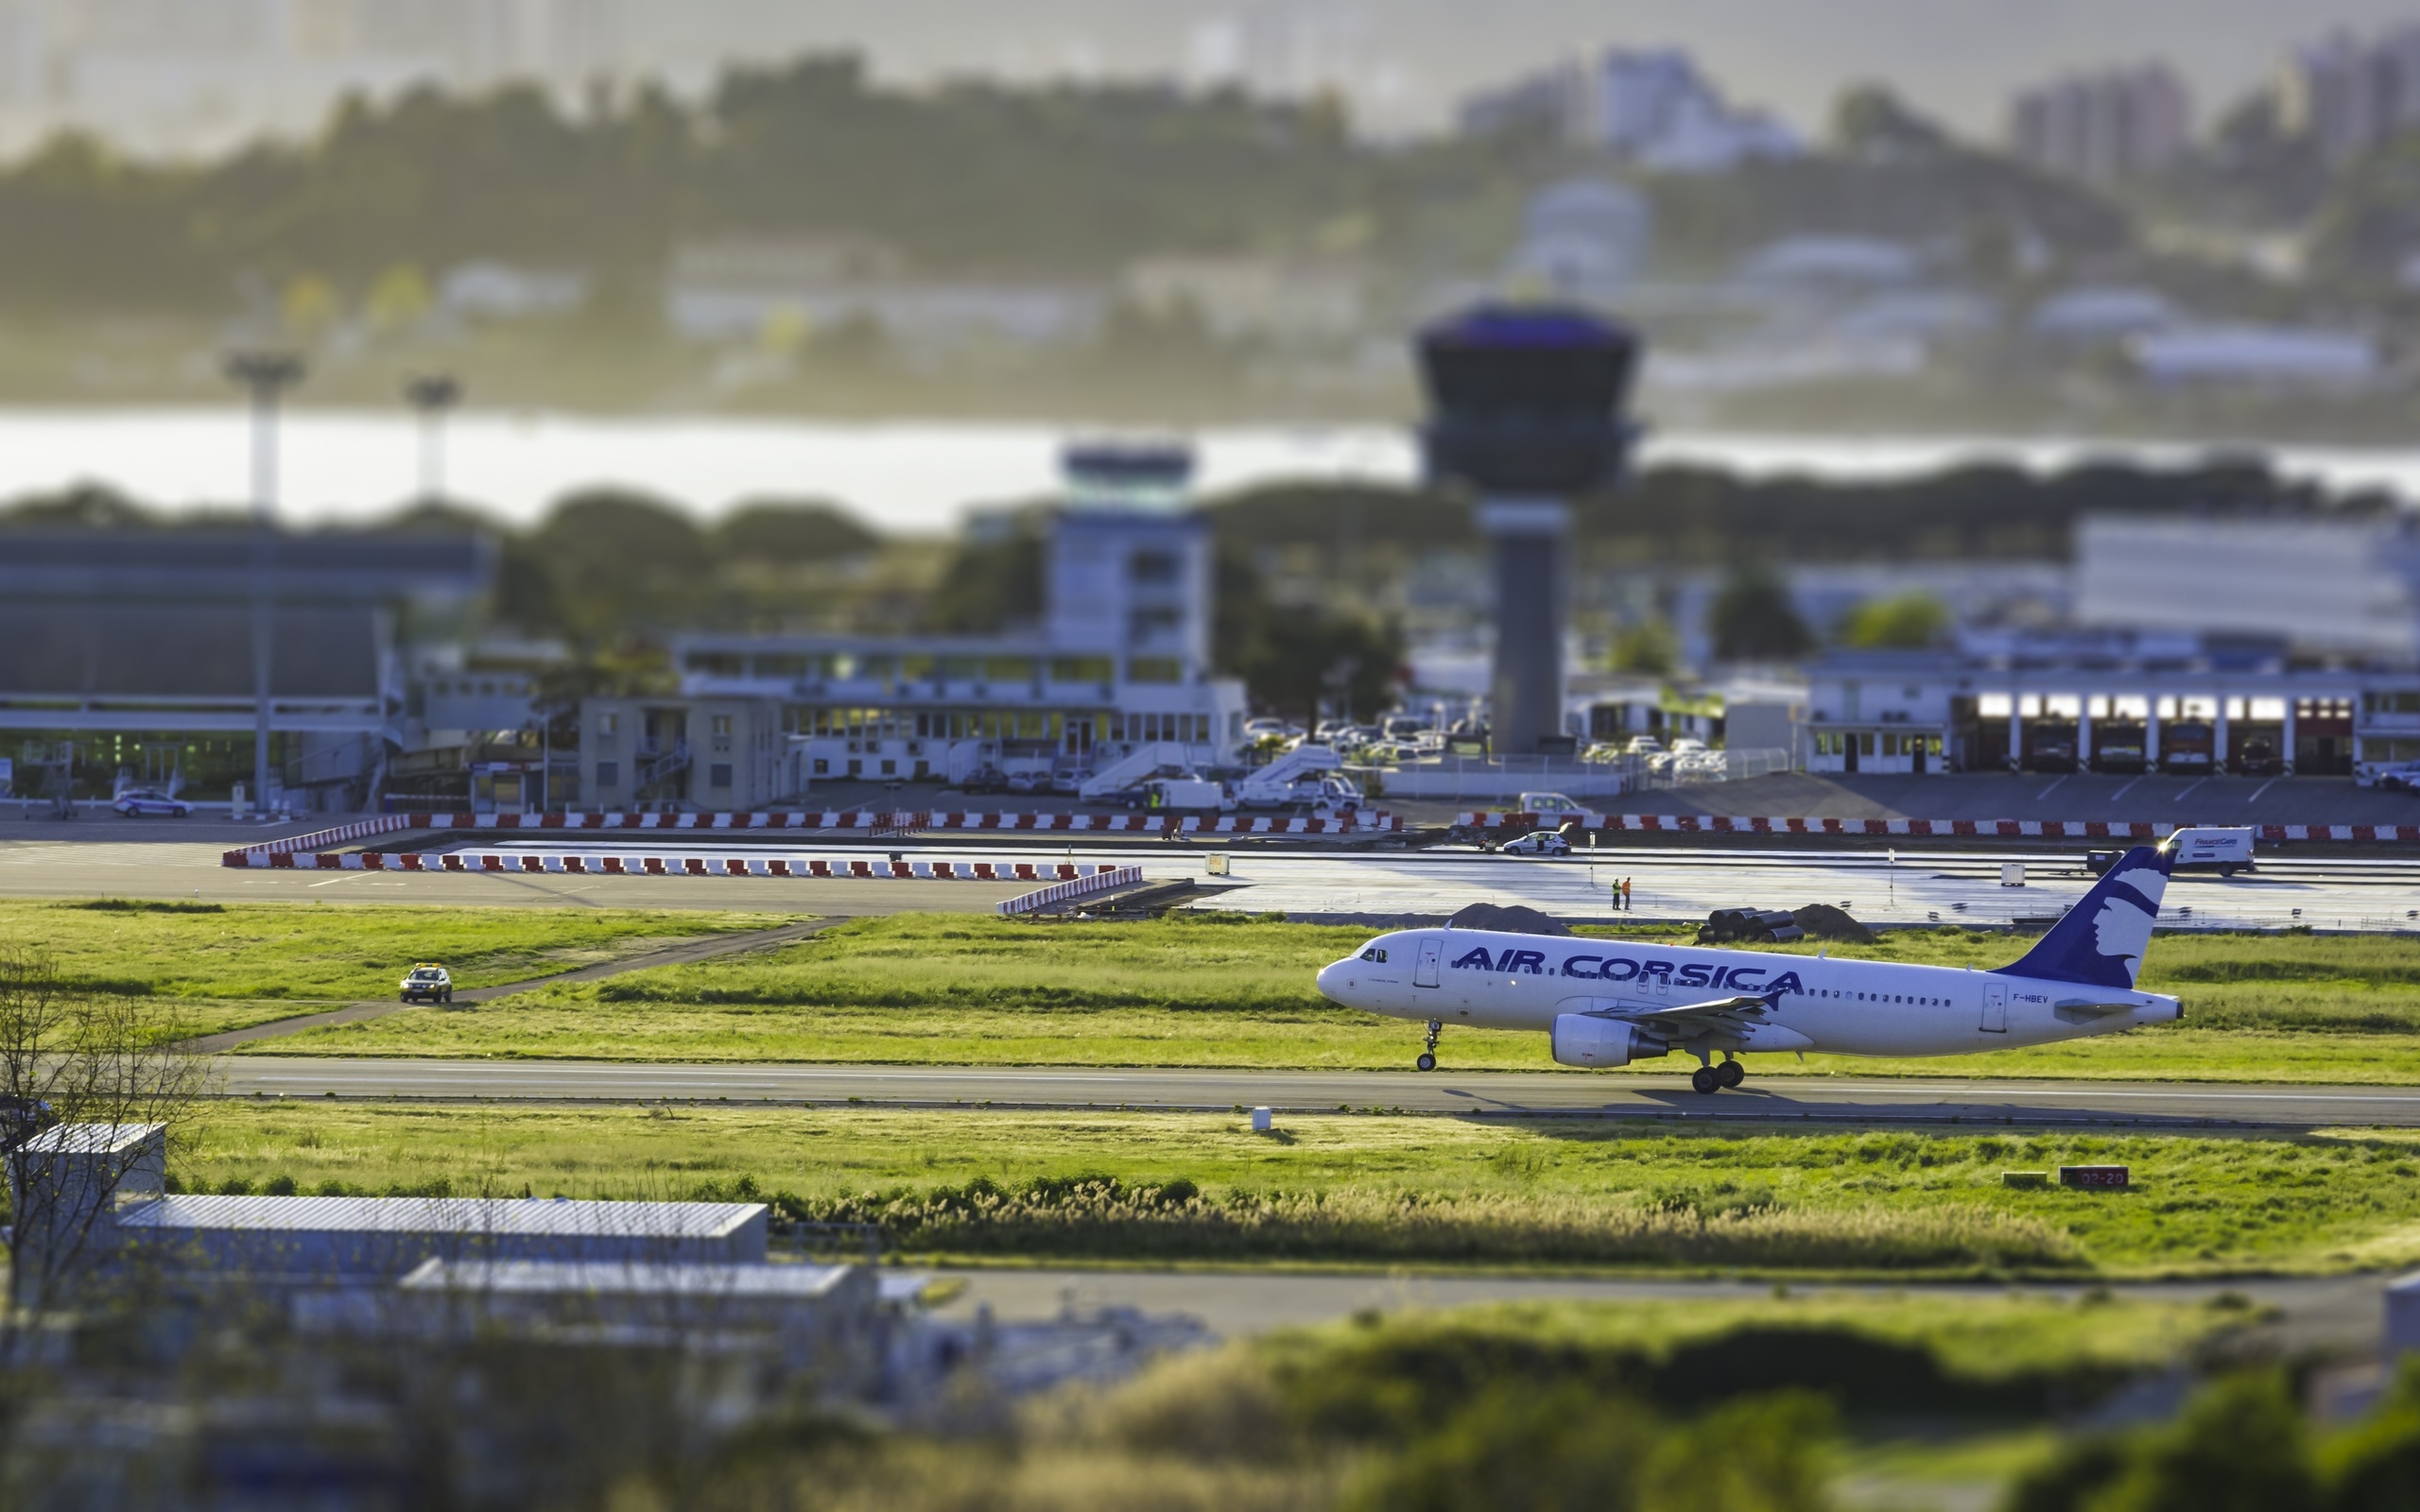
(1527, 412)
(432, 395)
(266, 375)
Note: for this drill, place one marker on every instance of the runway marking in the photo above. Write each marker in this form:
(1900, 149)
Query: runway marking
(2263, 788)
(2189, 790)
(2128, 788)
(2052, 788)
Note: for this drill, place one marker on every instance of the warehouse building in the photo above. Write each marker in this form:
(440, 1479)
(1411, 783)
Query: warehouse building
(127, 657)
(90, 1199)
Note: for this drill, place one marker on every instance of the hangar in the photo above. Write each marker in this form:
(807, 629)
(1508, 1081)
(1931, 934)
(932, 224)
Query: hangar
(126, 656)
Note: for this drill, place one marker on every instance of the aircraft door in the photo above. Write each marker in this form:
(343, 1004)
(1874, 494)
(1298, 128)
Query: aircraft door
(1424, 973)
(1995, 1009)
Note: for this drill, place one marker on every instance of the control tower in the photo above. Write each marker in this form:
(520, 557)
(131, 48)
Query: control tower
(1526, 410)
(1130, 559)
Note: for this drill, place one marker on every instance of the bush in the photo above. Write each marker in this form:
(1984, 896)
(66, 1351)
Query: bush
(2239, 1446)
(1101, 1217)
(2375, 1467)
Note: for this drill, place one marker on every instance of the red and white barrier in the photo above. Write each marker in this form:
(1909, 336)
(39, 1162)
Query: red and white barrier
(359, 830)
(1984, 828)
(584, 863)
(907, 819)
(1107, 879)
(871, 820)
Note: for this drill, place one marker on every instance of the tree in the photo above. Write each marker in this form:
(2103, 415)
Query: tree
(1299, 659)
(781, 531)
(73, 1053)
(988, 586)
(1649, 648)
(613, 558)
(398, 301)
(1871, 121)
(1905, 621)
(1753, 620)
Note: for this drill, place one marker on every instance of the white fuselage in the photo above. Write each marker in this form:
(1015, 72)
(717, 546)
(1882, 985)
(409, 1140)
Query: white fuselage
(1490, 981)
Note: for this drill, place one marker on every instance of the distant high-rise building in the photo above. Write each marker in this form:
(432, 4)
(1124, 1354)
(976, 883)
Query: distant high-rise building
(1652, 107)
(2103, 126)
(2346, 95)
(1284, 51)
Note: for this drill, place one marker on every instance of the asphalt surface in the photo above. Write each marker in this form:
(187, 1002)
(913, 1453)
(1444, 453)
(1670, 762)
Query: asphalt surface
(1918, 884)
(2343, 1312)
(1923, 883)
(1780, 1099)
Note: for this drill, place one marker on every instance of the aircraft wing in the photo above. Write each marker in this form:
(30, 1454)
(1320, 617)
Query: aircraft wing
(1689, 1020)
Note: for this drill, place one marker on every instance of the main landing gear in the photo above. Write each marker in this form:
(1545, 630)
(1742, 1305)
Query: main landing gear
(1428, 1060)
(1711, 1078)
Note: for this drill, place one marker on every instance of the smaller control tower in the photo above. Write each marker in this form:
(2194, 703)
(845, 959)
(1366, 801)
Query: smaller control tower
(1526, 409)
(1130, 561)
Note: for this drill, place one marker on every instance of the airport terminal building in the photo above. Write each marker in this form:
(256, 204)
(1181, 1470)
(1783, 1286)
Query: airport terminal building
(2105, 703)
(1120, 660)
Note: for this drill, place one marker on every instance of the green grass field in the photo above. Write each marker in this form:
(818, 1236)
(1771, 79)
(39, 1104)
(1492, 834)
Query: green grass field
(1372, 1188)
(223, 967)
(971, 991)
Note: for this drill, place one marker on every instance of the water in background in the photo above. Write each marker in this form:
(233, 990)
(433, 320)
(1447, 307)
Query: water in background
(903, 478)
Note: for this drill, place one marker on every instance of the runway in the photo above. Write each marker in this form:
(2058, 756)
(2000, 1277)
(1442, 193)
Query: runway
(1795, 1101)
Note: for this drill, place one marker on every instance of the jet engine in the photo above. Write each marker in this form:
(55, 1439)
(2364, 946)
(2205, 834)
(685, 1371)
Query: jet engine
(1584, 1039)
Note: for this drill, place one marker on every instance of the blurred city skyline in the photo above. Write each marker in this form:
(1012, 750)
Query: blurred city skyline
(169, 75)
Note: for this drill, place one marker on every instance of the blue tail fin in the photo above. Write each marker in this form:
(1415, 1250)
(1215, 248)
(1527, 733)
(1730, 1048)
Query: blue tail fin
(2101, 939)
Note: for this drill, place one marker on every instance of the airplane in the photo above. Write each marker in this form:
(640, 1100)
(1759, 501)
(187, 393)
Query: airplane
(1608, 1002)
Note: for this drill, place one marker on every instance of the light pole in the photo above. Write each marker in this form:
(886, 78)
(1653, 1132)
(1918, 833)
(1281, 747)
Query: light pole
(266, 375)
(432, 394)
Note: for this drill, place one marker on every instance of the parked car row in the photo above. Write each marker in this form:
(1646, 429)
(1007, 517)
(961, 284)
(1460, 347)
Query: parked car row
(1328, 793)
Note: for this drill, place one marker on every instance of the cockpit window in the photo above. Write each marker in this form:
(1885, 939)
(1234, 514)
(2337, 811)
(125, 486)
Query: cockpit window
(1373, 953)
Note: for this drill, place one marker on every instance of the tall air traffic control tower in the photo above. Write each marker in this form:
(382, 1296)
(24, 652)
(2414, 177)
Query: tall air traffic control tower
(1526, 410)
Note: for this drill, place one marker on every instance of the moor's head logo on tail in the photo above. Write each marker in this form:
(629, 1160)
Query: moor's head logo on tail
(2100, 941)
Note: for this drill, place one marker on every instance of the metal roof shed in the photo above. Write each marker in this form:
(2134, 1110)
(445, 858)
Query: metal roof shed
(342, 1240)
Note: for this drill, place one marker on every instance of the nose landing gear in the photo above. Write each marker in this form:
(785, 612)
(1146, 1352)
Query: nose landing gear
(1428, 1060)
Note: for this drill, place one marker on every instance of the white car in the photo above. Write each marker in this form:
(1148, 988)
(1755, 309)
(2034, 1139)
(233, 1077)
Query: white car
(136, 802)
(1538, 843)
(2405, 775)
(1552, 811)
(427, 981)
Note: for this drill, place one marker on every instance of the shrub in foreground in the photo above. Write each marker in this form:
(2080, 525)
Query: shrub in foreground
(1103, 1217)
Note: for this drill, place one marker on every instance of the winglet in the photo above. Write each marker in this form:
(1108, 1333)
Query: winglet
(2100, 940)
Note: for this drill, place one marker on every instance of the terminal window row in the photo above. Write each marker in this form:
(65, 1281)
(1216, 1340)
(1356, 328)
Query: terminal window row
(1009, 671)
(1837, 741)
(2128, 706)
(877, 724)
